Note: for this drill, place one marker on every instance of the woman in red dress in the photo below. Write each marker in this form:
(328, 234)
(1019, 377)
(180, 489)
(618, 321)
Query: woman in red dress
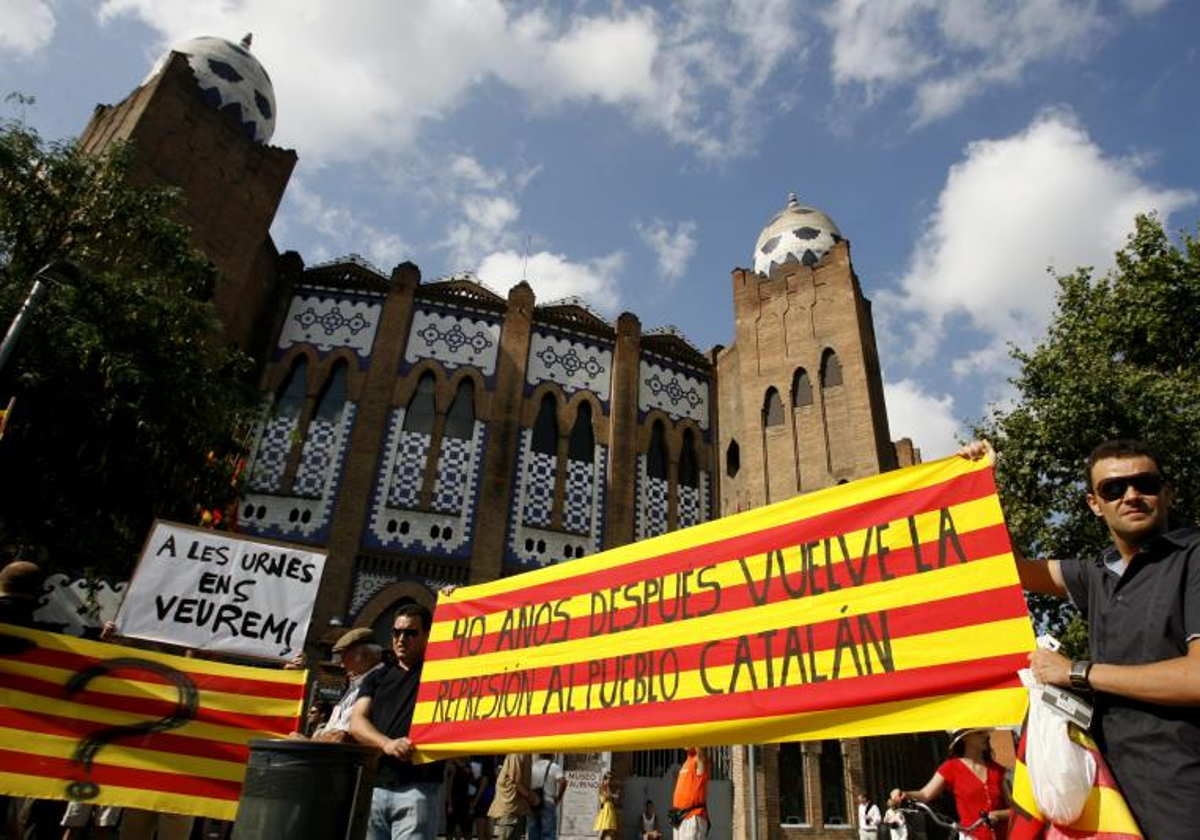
(974, 780)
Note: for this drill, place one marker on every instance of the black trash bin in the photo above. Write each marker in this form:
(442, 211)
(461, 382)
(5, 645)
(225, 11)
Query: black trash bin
(306, 790)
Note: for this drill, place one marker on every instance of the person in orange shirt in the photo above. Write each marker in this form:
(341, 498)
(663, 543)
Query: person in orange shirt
(691, 795)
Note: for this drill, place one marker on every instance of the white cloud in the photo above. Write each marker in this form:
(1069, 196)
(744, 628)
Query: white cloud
(673, 246)
(1047, 196)
(553, 276)
(28, 26)
(926, 418)
(336, 230)
(368, 82)
(950, 51)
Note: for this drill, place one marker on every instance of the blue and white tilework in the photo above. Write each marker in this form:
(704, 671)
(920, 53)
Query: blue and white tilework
(323, 446)
(652, 503)
(540, 476)
(573, 363)
(531, 545)
(693, 503)
(270, 453)
(577, 507)
(446, 531)
(453, 340)
(328, 321)
(677, 393)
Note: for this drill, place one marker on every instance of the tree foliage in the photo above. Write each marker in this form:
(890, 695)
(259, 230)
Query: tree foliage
(1121, 358)
(127, 397)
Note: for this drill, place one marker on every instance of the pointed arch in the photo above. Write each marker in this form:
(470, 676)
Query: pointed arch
(689, 471)
(545, 427)
(289, 399)
(831, 369)
(418, 418)
(772, 409)
(581, 446)
(656, 452)
(460, 419)
(333, 396)
(733, 459)
(802, 389)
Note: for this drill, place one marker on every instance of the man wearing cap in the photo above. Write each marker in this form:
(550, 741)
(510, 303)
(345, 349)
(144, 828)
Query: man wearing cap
(360, 656)
(1141, 598)
(20, 588)
(406, 801)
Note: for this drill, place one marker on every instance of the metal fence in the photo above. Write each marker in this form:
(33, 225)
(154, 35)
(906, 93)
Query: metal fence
(654, 764)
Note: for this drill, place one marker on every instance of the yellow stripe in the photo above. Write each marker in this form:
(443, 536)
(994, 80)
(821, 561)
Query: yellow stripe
(807, 506)
(976, 576)
(944, 647)
(220, 701)
(14, 784)
(123, 755)
(999, 707)
(31, 702)
(1105, 810)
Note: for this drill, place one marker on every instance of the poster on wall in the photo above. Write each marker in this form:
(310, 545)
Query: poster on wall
(581, 799)
(215, 591)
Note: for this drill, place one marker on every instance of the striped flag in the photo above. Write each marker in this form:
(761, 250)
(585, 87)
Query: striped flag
(117, 725)
(887, 605)
(1106, 815)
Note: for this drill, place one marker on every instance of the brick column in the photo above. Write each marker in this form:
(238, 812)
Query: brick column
(504, 423)
(623, 432)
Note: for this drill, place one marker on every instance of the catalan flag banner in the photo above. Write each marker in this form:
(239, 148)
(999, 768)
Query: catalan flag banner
(116, 725)
(887, 605)
(1106, 815)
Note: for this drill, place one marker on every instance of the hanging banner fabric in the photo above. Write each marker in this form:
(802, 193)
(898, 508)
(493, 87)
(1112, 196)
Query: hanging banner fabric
(883, 606)
(116, 725)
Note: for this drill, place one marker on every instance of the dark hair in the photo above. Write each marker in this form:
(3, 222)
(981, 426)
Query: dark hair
(1120, 448)
(417, 611)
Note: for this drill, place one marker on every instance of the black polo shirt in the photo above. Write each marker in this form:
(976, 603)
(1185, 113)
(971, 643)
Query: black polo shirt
(1146, 614)
(393, 693)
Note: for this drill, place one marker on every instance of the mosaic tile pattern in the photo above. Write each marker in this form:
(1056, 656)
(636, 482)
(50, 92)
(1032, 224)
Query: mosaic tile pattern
(287, 517)
(452, 474)
(577, 508)
(322, 445)
(573, 364)
(540, 470)
(366, 585)
(693, 503)
(453, 341)
(270, 456)
(652, 503)
(408, 471)
(677, 393)
(327, 321)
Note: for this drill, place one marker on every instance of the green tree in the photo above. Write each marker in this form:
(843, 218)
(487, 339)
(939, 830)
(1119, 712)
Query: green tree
(122, 381)
(1121, 358)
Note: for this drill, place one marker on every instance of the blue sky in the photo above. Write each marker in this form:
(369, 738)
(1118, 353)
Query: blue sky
(630, 153)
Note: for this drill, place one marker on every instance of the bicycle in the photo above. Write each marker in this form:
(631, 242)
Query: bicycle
(911, 806)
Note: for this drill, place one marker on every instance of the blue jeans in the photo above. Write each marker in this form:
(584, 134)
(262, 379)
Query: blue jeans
(543, 823)
(409, 813)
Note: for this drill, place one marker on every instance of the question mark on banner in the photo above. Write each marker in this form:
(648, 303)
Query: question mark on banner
(85, 752)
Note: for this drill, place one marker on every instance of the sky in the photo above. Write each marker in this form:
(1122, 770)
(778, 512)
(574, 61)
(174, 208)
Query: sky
(630, 153)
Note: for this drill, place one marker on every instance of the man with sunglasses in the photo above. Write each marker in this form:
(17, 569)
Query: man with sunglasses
(1141, 598)
(407, 798)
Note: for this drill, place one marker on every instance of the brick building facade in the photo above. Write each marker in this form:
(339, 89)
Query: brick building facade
(425, 433)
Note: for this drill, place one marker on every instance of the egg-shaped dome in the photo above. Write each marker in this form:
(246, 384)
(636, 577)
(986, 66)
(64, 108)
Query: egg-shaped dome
(233, 81)
(796, 234)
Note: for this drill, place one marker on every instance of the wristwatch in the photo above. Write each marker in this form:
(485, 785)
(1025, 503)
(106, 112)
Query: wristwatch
(1080, 669)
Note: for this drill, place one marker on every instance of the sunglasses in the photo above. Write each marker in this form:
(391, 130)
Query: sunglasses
(406, 632)
(1147, 484)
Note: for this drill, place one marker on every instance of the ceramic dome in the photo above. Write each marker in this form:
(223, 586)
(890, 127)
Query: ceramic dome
(233, 81)
(797, 234)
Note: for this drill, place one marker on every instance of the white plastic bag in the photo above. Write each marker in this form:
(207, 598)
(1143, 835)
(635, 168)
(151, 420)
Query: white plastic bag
(1061, 772)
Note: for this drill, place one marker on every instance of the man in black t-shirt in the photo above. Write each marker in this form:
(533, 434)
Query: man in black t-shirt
(406, 798)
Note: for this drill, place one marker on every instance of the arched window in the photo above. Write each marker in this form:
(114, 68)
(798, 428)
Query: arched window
(831, 370)
(289, 401)
(733, 459)
(772, 409)
(545, 428)
(833, 784)
(460, 422)
(419, 416)
(582, 444)
(802, 390)
(656, 455)
(689, 474)
(333, 397)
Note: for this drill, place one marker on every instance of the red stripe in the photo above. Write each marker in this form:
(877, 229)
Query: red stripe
(148, 706)
(957, 490)
(75, 662)
(902, 562)
(47, 724)
(26, 764)
(831, 696)
(947, 614)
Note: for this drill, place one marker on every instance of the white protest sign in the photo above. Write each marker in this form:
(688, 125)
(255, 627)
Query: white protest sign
(212, 590)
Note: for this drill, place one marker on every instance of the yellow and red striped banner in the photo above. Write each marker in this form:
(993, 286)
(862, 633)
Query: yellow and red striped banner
(887, 605)
(123, 726)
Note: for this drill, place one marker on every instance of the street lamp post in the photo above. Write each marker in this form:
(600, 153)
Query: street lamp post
(60, 269)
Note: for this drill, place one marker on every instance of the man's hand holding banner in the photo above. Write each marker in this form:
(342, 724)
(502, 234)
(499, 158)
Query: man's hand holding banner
(884, 606)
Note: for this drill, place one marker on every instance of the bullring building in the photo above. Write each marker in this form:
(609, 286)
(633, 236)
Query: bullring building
(425, 432)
